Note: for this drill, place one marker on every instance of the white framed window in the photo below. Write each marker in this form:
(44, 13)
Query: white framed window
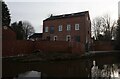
(60, 28)
(68, 27)
(68, 38)
(77, 27)
(55, 38)
(46, 29)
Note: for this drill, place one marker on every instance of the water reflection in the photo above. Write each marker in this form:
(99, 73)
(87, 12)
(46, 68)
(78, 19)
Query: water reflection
(108, 72)
(29, 75)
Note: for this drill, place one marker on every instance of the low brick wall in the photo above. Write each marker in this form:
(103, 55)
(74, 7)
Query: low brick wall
(59, 46)
(51, 46)
(17, 47)
(78, 48)
(103, 46)
(10, 48)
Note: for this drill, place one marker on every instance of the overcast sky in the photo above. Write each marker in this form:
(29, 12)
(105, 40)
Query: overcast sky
(35, 11)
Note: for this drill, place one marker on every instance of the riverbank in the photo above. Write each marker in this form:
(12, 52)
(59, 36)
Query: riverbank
(43, 56)
(57, 56)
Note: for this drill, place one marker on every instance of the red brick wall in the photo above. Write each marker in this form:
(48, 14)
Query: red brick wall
(15, 47)
(62, 35)
(84, 32)
(102, 46)
(59, 46)
(78, 48)
(8, 34)
(51, 46)
(85, 26)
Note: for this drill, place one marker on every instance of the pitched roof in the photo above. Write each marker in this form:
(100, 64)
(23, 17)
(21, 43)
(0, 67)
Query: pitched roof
(36, 35)
(9, 28)
(66, 15)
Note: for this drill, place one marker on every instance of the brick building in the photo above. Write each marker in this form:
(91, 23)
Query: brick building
(75, 28)
(8, 33)
(36, 36)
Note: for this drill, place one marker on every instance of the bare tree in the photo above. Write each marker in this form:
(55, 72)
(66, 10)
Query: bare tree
(104, 26)
(23, 29)
(28, 29)
(96, 26)
(108, 28)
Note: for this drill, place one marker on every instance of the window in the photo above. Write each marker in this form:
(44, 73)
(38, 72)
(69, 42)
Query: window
(77, 38)
(46, 29)
(68, 27)
(60, 28)
(77, 27)
(55, 38)
(68, 38)
(51, 29)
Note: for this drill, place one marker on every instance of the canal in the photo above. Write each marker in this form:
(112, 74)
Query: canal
(67, 68)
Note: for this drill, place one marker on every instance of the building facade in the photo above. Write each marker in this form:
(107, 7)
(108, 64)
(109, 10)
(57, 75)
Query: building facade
(36, 37)
(8, 33)
(74, 28)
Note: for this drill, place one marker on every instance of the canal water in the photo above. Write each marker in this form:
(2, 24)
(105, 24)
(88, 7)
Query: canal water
(29, 75)
(65, 68)
(103, 66)
(107, 72)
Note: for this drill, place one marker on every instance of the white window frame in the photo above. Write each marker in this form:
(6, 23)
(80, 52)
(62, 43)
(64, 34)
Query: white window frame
(77, 27)
(46, 29)
(68, 27)
(60, 28)
(54, 38)
(69, 37)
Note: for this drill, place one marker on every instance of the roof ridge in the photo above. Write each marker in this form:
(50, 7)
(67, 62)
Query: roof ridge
(67, 15)
(73, 13)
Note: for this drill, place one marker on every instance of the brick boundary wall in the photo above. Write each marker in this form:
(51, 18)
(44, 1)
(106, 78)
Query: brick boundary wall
(51, 46)
(103, 46)
(16, 47)
(19, 47)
